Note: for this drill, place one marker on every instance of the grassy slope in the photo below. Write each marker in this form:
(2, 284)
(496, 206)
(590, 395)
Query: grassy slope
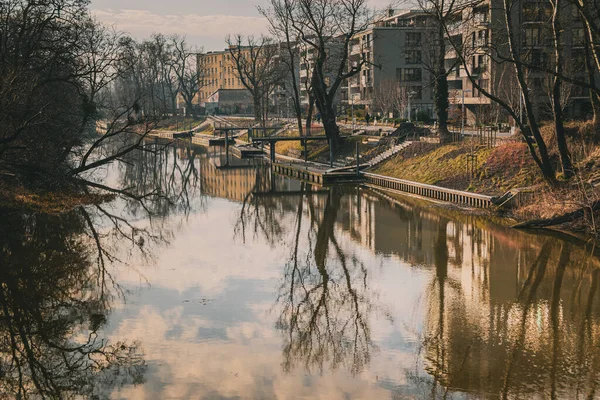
(498, 170)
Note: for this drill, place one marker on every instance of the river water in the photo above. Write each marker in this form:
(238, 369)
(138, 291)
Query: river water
(238, 284)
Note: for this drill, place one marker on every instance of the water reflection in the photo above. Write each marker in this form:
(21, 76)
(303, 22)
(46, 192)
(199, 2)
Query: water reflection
(288, 289)
(506, 314)
(55, 297)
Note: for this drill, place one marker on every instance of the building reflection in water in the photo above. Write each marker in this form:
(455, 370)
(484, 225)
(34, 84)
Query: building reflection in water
(507, 314)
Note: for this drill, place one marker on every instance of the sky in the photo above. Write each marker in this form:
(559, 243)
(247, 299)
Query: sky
(204, 22)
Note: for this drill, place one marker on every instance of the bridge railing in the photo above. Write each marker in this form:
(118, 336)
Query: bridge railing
(259, 133)
(459, 197)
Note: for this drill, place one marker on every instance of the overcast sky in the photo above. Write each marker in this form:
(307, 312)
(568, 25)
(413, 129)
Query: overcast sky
(204, 22)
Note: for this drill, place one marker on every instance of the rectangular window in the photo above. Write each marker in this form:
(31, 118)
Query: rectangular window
(409, 74)
(532, 36)
(413, 39)
(412, 56)
(578, 36)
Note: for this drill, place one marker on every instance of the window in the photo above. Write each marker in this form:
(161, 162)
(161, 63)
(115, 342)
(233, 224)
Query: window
(536, 12)
(532, 36)
(578, 36)
(539, 58)
(413, 39)
(482, 38)
(409, 74)
(412, 56)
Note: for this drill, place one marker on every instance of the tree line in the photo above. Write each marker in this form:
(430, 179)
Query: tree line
(61, 72)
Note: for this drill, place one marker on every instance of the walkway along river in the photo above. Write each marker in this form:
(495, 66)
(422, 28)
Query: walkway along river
(238, 283)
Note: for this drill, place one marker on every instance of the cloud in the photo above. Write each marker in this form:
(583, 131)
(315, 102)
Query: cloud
(246, 363)
(206, 31)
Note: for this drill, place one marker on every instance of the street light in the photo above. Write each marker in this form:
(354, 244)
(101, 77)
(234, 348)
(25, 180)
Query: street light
(410, 95)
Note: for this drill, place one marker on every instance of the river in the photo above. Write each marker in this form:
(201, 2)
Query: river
(238, 284)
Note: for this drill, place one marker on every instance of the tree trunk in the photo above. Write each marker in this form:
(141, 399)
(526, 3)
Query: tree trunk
(332, 131)
(309, 114)
(257, 107)
(546, 166)
(191, 109)
(298, 111)
(324, 102)
(565, 157)
(441, 89)
(594, 98)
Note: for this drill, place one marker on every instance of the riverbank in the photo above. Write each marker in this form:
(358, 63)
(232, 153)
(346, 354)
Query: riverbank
(18, 197)
(495, 171)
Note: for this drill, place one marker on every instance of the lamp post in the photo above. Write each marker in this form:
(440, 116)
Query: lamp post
(410, 96)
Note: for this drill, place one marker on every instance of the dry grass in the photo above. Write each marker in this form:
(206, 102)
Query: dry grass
(497, 170)
(288, 148)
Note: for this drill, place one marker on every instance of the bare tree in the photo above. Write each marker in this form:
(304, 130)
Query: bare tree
(590, 14)
(389, 97)
(507, 50)
(442, 13)
(557, 91)
(258, 68)
(325, 29)
(189, 72)
(280, 20)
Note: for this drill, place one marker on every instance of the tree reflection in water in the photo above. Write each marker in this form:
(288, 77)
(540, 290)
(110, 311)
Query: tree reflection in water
(54, 301)
(56, 285)
(544, 341)
(324, 301)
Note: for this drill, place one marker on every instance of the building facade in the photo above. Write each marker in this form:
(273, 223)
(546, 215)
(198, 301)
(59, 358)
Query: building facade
(396, 52)
(218, 72)
(481, 33)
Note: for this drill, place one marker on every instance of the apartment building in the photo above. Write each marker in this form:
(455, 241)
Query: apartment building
(481, 33)
(396, 51)
(334, 47)
(219, 72)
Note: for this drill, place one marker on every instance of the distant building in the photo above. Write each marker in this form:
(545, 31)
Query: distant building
(395, 49)
(219, 72)
(481, 31)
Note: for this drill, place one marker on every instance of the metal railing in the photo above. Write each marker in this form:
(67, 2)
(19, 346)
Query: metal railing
(459, 197)
(387, 145)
